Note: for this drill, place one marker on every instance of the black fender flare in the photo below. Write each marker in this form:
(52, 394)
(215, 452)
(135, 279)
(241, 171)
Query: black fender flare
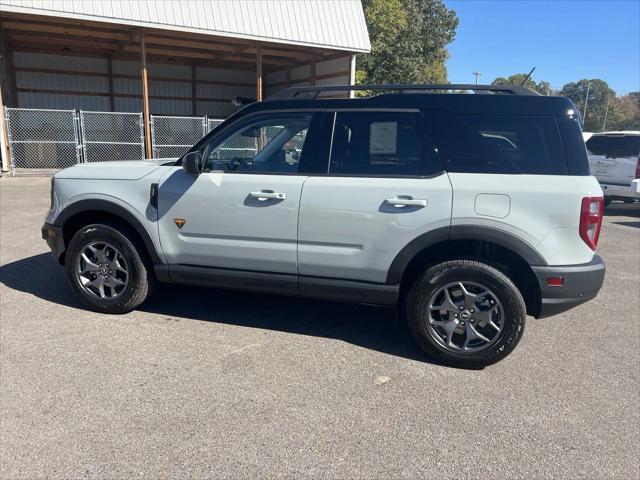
(114, 209)
(461, 232)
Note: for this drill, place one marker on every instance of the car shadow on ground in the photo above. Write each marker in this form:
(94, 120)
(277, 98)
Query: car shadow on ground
(368, 327)
(619, 209)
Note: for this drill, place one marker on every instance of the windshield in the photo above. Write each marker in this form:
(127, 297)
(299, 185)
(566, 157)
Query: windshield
(614, 146)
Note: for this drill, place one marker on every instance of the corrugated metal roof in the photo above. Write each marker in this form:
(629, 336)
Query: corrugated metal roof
(336, 24)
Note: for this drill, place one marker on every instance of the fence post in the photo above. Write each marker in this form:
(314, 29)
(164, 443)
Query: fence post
(152, 122)
(77, 131)
(9, 151)
(4, 137)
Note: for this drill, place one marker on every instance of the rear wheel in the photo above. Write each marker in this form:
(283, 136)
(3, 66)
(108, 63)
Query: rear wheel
(465, 313)
(108, 269)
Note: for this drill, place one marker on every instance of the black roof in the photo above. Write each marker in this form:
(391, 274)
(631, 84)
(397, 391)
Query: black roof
(487, 99)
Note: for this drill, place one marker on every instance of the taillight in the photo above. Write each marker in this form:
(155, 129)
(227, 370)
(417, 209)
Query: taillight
(591, 220)
(638, 168)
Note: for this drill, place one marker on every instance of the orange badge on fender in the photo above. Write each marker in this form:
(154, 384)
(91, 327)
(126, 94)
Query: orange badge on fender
(180, 222)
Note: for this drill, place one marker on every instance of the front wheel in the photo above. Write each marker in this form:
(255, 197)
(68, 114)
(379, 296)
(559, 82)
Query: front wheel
(465, 313)
(108, 268)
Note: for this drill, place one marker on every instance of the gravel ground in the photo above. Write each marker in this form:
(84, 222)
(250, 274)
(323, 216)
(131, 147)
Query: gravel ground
(210, 383)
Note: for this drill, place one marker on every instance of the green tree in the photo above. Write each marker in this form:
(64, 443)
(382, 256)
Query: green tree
(543, 87)
(599, 92)
(624, 113)
(408, 41)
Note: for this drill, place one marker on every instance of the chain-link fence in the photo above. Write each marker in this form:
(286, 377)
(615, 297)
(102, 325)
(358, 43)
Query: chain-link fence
(213, 123)
(171, 136)
(42, 141)
(108, 136)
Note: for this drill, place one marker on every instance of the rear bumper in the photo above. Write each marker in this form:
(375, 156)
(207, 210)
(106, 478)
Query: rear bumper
(581, 284)
(54, 238)
(621, 191)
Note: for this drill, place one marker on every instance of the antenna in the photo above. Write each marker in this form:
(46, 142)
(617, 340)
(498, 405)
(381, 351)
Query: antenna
(527, 77)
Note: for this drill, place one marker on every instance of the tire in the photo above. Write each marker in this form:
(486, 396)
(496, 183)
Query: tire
(502, 307)
(133, 268)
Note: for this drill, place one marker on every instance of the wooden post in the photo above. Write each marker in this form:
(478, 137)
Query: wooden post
(112, 100)
(194, 101)
(145, 99)
(259, 72)
(4, 136)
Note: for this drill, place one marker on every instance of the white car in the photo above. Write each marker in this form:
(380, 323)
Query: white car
(465, 212)
(614, 159)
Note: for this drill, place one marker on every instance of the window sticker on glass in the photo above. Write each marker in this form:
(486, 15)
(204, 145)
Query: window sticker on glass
(383, 138)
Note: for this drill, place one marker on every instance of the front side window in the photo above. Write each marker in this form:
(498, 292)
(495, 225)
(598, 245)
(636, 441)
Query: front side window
(376, 144)
(270, 144)
(498, 143)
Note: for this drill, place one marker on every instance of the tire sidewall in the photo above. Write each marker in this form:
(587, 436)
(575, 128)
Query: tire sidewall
(105, 233)
(502, 287)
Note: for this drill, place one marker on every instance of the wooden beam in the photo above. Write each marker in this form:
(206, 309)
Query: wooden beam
(39, 29)
(145, 98)
(258, 72)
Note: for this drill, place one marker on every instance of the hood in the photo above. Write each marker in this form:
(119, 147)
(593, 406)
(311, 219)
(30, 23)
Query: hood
(120, 170)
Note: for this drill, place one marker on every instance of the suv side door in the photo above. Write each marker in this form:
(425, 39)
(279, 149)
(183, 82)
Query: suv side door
(383, 186)
(241, 212)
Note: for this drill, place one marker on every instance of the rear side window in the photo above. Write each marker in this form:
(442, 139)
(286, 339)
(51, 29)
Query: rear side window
(498, 143)
(377, 144)
(614, 146)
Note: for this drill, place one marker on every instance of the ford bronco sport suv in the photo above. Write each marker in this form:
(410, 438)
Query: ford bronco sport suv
(465, 211)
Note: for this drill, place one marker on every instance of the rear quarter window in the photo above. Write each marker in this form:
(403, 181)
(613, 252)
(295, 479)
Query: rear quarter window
(506, 144)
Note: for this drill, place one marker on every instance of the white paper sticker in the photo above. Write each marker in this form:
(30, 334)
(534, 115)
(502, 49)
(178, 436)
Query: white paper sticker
(383, 138)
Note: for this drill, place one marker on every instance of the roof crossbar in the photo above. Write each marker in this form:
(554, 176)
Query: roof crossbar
(310, 93)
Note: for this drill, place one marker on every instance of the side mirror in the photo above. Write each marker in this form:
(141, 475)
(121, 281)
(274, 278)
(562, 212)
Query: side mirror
(192, 163)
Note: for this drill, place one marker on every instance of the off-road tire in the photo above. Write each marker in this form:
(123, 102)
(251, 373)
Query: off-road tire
(141, 278)
(416, 306)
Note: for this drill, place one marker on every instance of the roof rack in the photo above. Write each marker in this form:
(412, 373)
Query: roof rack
(310, 93)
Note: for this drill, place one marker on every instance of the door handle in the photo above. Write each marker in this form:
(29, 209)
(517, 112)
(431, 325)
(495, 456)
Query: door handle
(268, 195)
(406, 201)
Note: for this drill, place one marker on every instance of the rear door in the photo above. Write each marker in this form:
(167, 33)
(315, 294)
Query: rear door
(382, 187)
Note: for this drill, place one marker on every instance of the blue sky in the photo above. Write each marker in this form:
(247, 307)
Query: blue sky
(565, 40)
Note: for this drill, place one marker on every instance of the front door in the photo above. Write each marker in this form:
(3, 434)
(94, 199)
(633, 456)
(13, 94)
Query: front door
(242, 211)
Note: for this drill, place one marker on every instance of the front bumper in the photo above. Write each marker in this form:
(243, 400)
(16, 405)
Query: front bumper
(55, 239)
(581, 284)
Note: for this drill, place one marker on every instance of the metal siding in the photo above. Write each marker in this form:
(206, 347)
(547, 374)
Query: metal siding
(338, 24)
(332, 66)
(61, 62)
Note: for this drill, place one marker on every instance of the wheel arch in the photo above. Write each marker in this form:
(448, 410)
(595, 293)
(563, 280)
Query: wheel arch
(500, 249)
(85, 212)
